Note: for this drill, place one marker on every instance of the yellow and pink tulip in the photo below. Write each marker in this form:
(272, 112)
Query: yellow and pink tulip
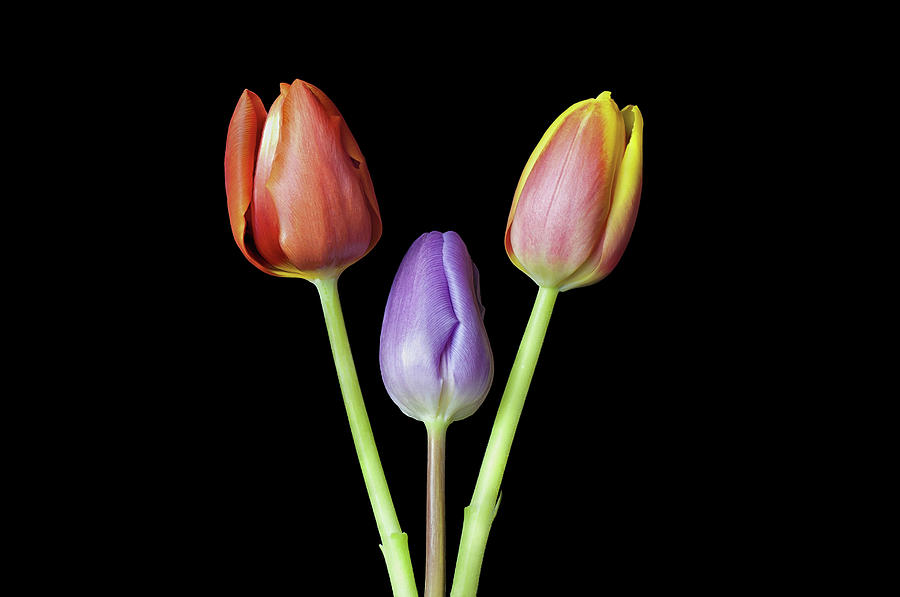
(576, 202)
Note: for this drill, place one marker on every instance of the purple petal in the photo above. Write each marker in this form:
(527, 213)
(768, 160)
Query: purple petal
(469, 364)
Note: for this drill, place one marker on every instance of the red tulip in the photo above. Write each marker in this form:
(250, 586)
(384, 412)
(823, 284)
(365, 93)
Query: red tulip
(300, 198)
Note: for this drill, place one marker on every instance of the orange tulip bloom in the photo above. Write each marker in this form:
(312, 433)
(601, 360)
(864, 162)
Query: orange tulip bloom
(300, 198)
(577, 199)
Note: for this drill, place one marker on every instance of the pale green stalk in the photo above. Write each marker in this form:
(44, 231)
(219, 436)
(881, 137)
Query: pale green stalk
(480, 513)
(394, 543)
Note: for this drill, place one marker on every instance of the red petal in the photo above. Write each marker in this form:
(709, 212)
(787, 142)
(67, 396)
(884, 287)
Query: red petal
(241, 146)
(324, 213)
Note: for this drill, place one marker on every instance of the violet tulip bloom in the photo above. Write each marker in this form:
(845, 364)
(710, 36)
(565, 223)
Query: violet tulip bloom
(577, 199)
(436, 360)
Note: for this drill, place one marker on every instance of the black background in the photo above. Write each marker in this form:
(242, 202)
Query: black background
(633, 464)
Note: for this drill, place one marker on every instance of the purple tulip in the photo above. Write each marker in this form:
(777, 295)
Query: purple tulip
(436, 360)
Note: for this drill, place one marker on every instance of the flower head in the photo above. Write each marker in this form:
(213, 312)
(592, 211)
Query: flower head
(577, 199)
(436, 360)
(300, 198)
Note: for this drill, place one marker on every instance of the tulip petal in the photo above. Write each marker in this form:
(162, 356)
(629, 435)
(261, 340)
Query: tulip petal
(352, 149)
(538, 151)
(325, 216)
(263, 213)
(241, 145)
(468, 362)
(418, 323)
(625, 202)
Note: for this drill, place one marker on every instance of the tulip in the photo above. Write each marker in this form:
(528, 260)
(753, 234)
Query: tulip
(301, 205)
(575, 205)
(572, 215)
(300, 198)
(436, 362)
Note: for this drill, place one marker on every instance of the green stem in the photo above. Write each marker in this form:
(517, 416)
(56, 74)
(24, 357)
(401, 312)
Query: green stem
(394, 543)
(435, 541)
(480, 513)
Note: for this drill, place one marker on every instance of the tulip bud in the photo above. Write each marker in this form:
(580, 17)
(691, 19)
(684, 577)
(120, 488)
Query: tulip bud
(577, 199)
(436, 360)
(300, 198)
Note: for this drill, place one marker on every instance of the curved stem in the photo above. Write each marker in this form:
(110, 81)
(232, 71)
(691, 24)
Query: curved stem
(435, 537)
(394, 544)
(480, 513)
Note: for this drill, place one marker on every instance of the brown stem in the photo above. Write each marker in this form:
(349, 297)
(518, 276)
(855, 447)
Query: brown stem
(435, 540)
